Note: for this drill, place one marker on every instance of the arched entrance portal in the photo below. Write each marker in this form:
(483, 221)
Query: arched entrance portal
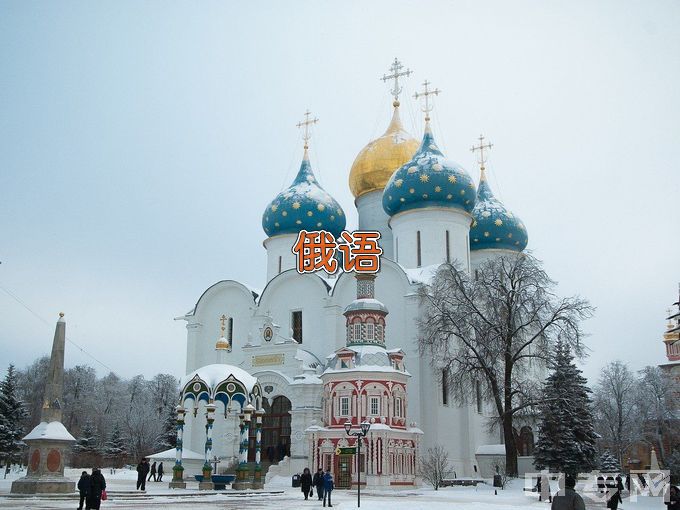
(275, 431)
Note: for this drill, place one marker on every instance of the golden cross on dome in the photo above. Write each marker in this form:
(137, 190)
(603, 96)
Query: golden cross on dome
(223, 320)
(481, 148)
(397, 73)
(427, 108)
(306, 123)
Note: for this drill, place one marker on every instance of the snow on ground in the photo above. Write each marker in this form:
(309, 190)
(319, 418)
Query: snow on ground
(279, 494)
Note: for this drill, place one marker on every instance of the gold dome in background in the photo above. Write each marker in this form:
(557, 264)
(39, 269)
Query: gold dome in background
(376, 162)
(222, 344)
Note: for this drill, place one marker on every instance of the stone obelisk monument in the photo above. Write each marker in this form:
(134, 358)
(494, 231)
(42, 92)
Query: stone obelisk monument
(49, 440)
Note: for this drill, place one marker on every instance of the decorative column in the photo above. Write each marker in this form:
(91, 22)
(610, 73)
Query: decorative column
(242, 469)
(257, 479)
(178, 470)
(248, 423)
(207, 483)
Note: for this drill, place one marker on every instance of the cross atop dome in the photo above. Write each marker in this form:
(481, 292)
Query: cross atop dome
(305, 124)
(397, 73)
(481, 147)
(427, 107)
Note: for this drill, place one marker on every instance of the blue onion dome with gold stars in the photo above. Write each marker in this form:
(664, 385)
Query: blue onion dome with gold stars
(304, 205)
(429, 179)
(493, 226)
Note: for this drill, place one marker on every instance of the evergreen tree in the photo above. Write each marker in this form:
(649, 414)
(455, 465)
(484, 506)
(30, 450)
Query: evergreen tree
(115, 448)
(609, 463)
(566, 441)
(12, 415)
(87, 442)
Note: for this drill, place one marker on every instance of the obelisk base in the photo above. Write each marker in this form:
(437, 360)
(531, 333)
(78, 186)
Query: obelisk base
(47, 443)
(42, 486)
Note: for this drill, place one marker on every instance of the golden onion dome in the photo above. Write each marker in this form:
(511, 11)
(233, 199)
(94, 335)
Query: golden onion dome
(376, 162)
(222, 344)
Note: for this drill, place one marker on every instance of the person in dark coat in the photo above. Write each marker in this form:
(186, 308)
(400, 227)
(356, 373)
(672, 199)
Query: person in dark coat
(160, 472)
(620, 487)
(306, 482)
(674, 498)
(83, 487)
(327, 487)
(568, 499)
(94, 492)
(317, 481)
(142, 471)
(152, 474)
(613, 494)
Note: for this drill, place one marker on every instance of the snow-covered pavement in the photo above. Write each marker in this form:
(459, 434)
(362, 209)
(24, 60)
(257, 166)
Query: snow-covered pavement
(279, 494)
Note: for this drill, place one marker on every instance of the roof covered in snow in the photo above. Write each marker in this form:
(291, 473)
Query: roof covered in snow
(54, 431)
(423, 274)
(214, 374)
(491, 449)
(170, 454)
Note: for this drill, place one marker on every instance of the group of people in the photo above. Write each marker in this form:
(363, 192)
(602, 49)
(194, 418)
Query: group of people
(144, 470)
(322, 482)
(611, 487)
(92, 489)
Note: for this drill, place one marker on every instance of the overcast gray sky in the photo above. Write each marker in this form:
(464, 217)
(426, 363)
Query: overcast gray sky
(140, 142)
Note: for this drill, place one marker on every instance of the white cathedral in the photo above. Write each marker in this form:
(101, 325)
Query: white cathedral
(325, 349)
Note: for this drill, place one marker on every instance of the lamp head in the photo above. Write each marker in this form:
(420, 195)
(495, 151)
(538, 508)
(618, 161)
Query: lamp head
(348, 426)
(365, 426)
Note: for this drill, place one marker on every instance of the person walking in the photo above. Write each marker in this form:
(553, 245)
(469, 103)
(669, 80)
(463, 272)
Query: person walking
(318, 483)
(160, 472)
(142, 471)
(152, 473)
(306, 482)
(613, 494)
(568, 499)
(95, 490)
(83, 487)
(327, 487)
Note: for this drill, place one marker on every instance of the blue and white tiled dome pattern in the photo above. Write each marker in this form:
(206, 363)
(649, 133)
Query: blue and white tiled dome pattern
(493, 226)
(429, 180)
(304, 205)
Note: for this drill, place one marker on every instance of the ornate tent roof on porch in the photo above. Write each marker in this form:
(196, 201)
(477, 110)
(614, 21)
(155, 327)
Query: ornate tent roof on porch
(220, 382)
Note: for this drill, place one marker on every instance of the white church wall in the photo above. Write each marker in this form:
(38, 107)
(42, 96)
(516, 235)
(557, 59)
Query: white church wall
(432, 223)
(478, 257)
(290, 292)
(280, 258)
(227, 297)
(372, 216)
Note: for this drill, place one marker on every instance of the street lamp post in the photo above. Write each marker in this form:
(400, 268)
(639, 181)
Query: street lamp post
(363, 432)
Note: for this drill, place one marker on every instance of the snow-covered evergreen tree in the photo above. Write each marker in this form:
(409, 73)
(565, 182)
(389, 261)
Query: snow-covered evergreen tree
(609, 463)
(12, 415)
(566, 438)
(87, 442)
(115, 449)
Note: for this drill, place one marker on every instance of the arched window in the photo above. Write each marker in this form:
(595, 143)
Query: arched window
(525, 445)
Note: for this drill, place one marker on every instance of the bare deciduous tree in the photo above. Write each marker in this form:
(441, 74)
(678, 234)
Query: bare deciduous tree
(498, 326)
(615, 408)
(434, 466)
(657, 410)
